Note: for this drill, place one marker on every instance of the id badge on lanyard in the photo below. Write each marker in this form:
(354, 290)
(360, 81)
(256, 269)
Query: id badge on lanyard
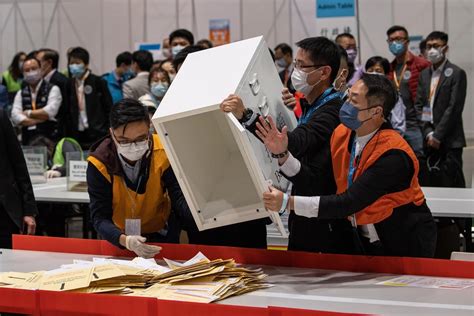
(350, 176)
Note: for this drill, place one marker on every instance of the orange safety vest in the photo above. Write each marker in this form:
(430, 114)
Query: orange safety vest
(383, 141)
(153, 206)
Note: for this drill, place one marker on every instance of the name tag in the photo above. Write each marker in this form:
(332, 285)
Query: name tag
(133, 227)
(426, 115)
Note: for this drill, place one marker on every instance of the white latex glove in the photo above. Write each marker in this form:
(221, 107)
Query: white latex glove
(138, 246)
(53, 174)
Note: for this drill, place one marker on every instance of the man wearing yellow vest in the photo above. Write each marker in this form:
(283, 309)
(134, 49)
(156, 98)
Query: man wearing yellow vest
(132, 187)
(376, 174)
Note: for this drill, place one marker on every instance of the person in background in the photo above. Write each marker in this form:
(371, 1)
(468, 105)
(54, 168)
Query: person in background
(205, 43)
(381, 66)
(284, 62)
(180, 39)
(142, 62)
(134, 194)
(404, 72)
(12, 78)
(49, 60)
(159, 82)
(348, 42)
(168, 67)
(340, 83)
(121, 73)
(90, 101)
(17, 201)
(166, 49)
(36, 105)
(376, 173)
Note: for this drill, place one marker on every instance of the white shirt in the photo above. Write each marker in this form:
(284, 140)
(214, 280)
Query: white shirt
(308, 206)
(435, 76)
(51, 108)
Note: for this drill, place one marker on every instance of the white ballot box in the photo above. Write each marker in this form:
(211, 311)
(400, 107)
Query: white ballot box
(221, 167)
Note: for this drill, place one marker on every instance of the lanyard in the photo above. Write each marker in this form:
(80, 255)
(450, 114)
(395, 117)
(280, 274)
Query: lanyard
(433, 88)
(325, 98)
(352, 164)
(134, 200)
(399, 81)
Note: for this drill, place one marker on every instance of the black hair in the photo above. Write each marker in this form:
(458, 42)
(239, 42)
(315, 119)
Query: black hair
(50, 54)
(205, 43)
(14, 67)
(144, 59)
(79, 53)
(179, 59)
(350, 66)
(158, 69)
(344, 35)
(272, 54)
(184, 34)
(437, 35)
(285, 49)
(372, 61)
(382, 89)
(397, 28)
(343, 53)
(33, 53)
(422, 46)
(123, 58)
(31, 58)
(322, 51)
(127, 111)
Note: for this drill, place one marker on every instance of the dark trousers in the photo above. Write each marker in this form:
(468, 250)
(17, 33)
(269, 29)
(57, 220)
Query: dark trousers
(7, 229)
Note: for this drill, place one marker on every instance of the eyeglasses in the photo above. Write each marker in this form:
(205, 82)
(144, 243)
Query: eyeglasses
(128, 143)
(397, 39)
(299, 66)
(435, 46)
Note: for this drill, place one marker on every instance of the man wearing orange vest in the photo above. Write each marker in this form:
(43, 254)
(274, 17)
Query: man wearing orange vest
(132, 187)
(376, 174)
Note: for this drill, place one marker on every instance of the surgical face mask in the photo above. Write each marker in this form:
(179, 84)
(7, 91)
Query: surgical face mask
(299, 80)
(77, 70)
(159, 89)
(166, 52)
(348, 114)
(32, 77)
(341, 86)
(351, 55)
(133, 151)
(281, 62)
(397, 48)
(129, 73)
(435, 55)
(176, 49)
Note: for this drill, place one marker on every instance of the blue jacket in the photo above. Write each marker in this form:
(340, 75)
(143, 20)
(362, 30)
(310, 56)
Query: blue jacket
(114, 86)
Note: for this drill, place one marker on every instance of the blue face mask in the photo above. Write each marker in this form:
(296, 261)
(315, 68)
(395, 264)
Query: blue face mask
(159, 89)
(128, 74)
(348, 114)
(77, 70)
(176, 49)
(396, 48)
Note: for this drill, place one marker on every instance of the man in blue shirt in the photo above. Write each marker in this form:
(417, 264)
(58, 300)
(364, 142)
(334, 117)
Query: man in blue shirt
(119, 75)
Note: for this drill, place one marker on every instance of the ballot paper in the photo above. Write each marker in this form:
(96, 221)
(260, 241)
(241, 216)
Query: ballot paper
(195, 280)
(429, 282)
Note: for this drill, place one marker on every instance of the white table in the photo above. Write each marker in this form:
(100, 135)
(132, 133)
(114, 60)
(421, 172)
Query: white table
(55, 191)
(303, 288)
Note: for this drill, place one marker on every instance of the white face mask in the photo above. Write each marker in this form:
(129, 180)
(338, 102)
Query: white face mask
(133, 151)
(176, 49)
(435, 55)
(298, 79)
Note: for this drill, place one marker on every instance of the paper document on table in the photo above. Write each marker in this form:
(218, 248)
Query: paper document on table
(66, 279)
(429, 282)
(199, 257)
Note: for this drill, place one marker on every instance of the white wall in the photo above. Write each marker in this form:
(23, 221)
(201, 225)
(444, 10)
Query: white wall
(108, 27)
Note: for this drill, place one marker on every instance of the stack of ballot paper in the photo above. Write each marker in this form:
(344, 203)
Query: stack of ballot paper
(198, 279)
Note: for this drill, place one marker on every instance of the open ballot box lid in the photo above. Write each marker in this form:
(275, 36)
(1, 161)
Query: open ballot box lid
(222, 168)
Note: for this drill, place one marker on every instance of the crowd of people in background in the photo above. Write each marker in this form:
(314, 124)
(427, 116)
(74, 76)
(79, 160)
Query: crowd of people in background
(90, 111)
